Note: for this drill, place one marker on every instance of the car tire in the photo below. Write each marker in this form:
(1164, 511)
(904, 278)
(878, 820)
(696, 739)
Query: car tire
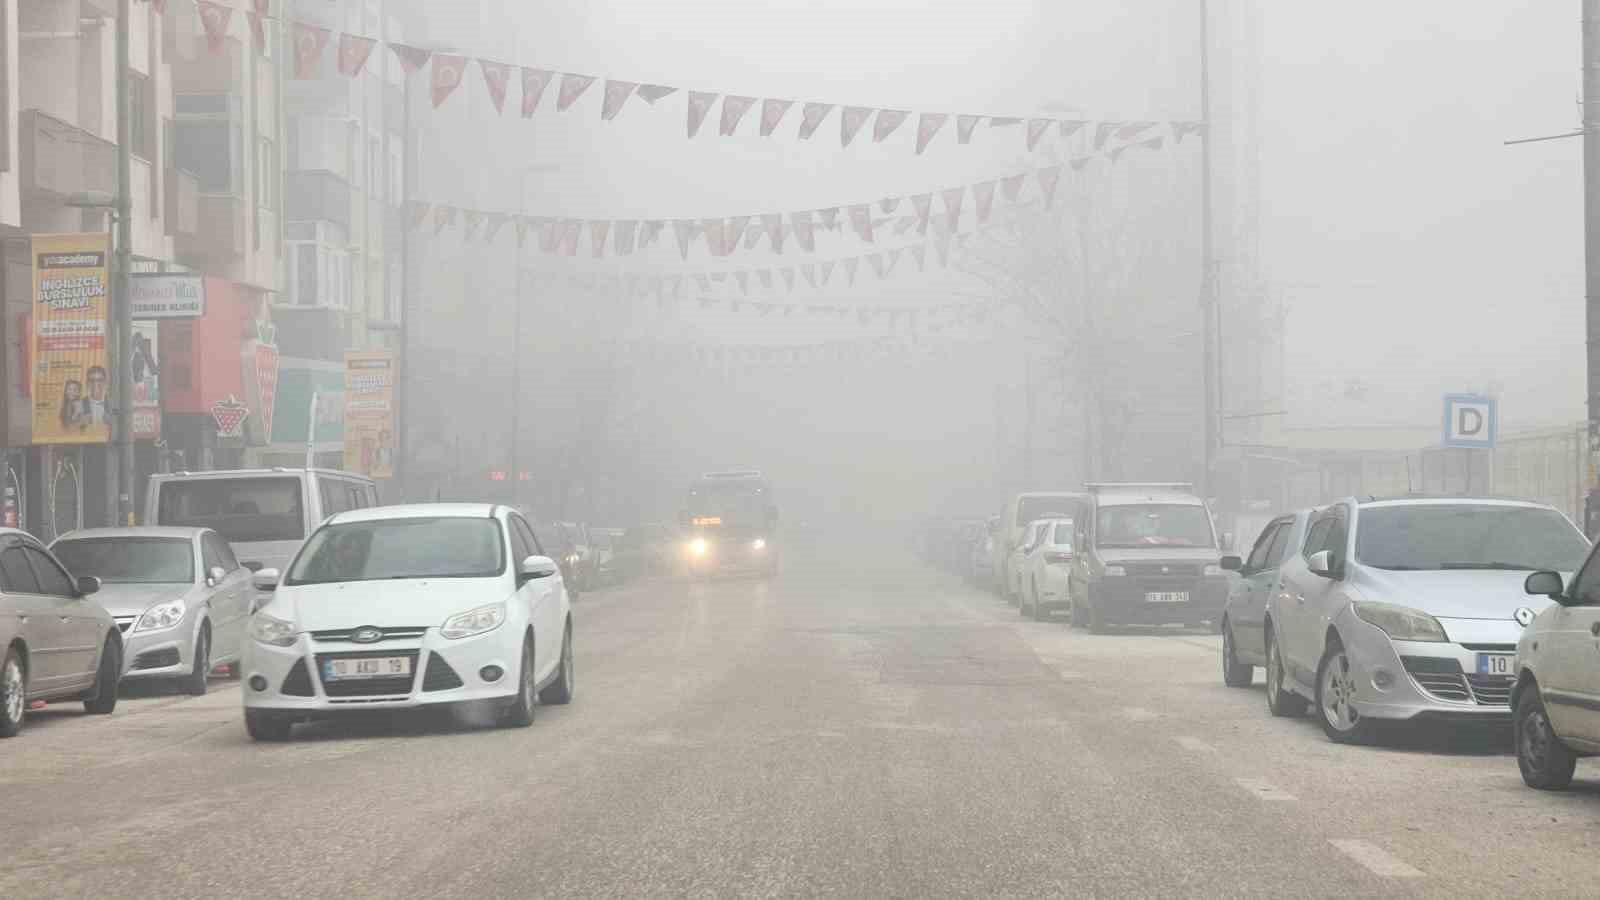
(559, 693)
(194, 683)
(1546, 763)
(1336, 685)
(1281, 702)
(1077, 616)
(264, 726)
(519, 713)
(103, 699)
(13, 693)
(1235, 674)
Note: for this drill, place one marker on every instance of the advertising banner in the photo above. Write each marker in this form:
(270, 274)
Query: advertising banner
(369, 413)
(168, 296)
(144, 373)
(70, 388)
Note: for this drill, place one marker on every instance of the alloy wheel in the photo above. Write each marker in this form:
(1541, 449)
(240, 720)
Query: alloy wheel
(11, 692)
(1534, 738)
(1338, 690)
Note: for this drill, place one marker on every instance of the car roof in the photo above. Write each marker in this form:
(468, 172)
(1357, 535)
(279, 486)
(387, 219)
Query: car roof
(142, 531)
(256, 473)
(1446, 500)
(1134, 496)
(1029, 495)
(421, 511)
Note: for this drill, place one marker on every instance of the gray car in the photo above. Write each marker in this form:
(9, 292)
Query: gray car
(56, 642)
(1244, 616)
(1409, 609)
(179, 597)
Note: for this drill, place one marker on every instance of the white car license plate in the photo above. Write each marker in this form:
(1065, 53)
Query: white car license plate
(1167, 597)
(1497, 664)
(366, 667)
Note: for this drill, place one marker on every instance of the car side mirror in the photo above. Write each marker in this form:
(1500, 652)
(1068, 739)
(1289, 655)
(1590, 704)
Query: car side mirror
(88, 584)
(266, 579)
(1232, 564)
(536, 567)
(1324, 563)
(215, 576)
(1546, 584)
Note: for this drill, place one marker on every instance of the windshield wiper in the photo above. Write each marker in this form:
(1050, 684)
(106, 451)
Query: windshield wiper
(1495, 566)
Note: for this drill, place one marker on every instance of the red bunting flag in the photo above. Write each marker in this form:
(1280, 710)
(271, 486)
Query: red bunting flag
(353, 53)
(952, 205)
(888, 120)
(550, 235)
(309, 42)
(928, 126)
(733, 110)
(534, 81)
(811, 116)
(257, 16)
(412, 59)
(572, 87)
(774, 226)
(496, 77)
(804, 232)
(448, 69)
(861, 221)
(1012, 186)
(214, 18)
(616, 94)
(650, 93)
(924, 206)
(772, 112)
(1036, 130)
(1048, 177)
(699, 104)
(983, 196)
(571, 231)
(850, 121)
(627, 229)
(850, 266)
(964, 126)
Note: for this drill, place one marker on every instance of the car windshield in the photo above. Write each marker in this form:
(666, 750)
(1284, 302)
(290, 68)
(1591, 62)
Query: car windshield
(242, 510)
(1467, 536)
(378, 549)
(1153, 525)
(129, 560)
(1063, 534)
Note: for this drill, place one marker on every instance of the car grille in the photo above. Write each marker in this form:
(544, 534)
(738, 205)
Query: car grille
(439, 676)
(1160, 569)
(368, 687)
(125, 622)
(298, 682)
(1444, 679)
(1445, 687)
(342, 635)
(1491, 690)
(156, 659)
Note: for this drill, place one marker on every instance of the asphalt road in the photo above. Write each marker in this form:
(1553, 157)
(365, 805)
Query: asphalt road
(860, 728)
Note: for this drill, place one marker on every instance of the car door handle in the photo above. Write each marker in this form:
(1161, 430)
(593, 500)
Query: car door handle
(1299, 598)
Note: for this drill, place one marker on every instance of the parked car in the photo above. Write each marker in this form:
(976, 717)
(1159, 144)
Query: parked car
(178, 595)
(56, 643)
(586, 566)
(558, 545)
(407, 606)
(263, 513)
(1556, 700)
(1019, 511)
(1244, 615)
(649, 549)
(1046, 568)
(980, 566)
(1146, 554)
(1016, 562)
(1404, 609)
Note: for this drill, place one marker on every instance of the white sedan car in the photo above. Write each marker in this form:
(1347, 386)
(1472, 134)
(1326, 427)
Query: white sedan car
(407, 606)
(1045, 568)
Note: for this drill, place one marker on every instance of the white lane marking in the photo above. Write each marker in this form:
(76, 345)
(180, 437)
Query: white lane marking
(1137, 714)
(1264, 790)
(1377, 860)
(1194, 744)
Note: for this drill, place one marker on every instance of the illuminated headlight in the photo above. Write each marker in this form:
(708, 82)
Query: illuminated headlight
(1400, 623)
(1213, 569)
(1115, 571)
(160, 616)
(474, 621)
(758, 544)
(698, 546)
(270, 630)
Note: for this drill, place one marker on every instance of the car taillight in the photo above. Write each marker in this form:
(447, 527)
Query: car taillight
(1058, 557)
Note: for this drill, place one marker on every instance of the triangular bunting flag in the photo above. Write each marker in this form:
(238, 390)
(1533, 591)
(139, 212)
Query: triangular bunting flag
(772, 112)
(1078, 162)
(443, 216)
(572, 87)
(214, 18)
(1154, 143)
(964, 126)
(1103, 132)
(861, 221)
(419, 214)
(650, 232)
(650, 93)
(699, 104)
(924, 206)
(309, 42)
(496, 76)
(788, 278)
(1036, 130)
(850, 122)
(571, 231)
(737, 226)
(983, 196)
(876, 259)
(803, 231)
(904, 224)
(534, 81)
(942, 247)
(1116, 152)
(257, 16)
(888, 120)
(827, 272)
(888, 204)
(354, 50)
(550, 235)
(811, 116)
(829, 217)
(743, 278)
(1133, 129)
(774, 226)
(683, 230)
(733, 110)
(470, 220)
(447, 71)
(894, 257)
(952, 205)
(1070, 127)
(919, 252)
(752, 236)
(1048, 177)
(1003, 121)
(766, 278)
(626, 231)
(703, 281)
(851, 264)
(1011, 185)
(522, 231)
(928, 126)
(810, 272)
(616, 94)
(412, 59)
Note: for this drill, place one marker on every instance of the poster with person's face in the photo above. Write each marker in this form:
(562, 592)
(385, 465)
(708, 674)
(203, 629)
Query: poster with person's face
(144, 374)
(70, 381)
(369, 413)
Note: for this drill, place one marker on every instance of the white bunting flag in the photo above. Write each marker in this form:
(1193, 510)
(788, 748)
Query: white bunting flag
(851, 264)
(743, 278)
(809, 270)
(888, 204)
(650, 93)
(788, 278)
(626, 231)
(829, 217)
(964, 126)
(827, 272)
(876, 260)
(699, 104)
(861, 221)
(683, 230)
(1036, 130)
(919, 252)
(766, 278)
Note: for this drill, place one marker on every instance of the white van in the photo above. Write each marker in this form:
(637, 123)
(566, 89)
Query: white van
(264, 513)
(1020, 510)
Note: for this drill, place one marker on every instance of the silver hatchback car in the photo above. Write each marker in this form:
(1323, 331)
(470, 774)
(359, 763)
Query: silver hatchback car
(1409, 609)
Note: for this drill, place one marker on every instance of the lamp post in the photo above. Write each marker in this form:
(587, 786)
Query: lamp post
(119, 331)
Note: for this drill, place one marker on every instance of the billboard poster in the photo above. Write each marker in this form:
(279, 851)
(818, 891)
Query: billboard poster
(167, 296)
(144, 373)
(71, 389)
(369, 413)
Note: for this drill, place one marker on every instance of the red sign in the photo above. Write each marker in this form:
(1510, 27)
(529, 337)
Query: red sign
(497, 475)
(266, 386)
(229, 415)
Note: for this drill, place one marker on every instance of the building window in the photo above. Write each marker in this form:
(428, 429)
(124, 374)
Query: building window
(319, 275)
(208, 141)
(141, 116)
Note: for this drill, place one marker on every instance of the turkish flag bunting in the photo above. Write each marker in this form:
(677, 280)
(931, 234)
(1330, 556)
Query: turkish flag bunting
(699, 104)
(952, 205)
(772, 112)
(448, 69)
(1036, 130)
(733, 110)
(650, 93)
(964, 126)
(1048, 177)
(1011, 185)
(928, 126)
(774, 226)
(572, 87)
(983, 196)
(811, 116)
(534, 81)
(496, 75)
(214, 18)
(861, 221)
(412, 59)
(309, 42)
(617, 94)
(257, 16)
(888, 120)
(627, 231)
(353, 53)
(804, 231)
(850, 266)
(924, 205)
(850, 122)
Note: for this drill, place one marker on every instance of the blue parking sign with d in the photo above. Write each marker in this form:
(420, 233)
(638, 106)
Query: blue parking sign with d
(1470, 421)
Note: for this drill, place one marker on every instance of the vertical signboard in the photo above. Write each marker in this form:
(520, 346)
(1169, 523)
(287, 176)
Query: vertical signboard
(369, 413)
(71, 389)
(144, 373)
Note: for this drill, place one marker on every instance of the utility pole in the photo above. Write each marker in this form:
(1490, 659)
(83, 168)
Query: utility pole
(118, 338)
(1208, 265)
(1591, 248)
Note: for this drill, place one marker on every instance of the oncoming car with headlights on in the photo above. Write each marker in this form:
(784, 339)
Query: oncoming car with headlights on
(408, 606)
(730, 521)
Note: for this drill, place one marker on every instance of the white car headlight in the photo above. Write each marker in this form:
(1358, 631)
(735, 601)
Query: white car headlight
(271, 630)
(474, 621)
(1116, 571)
(699, 546)
(160, 616)
(758, 544)
(1400, 623)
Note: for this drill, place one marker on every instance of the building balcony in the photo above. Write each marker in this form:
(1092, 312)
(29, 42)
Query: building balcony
(318, 196)
(220, 235)
(60, 159)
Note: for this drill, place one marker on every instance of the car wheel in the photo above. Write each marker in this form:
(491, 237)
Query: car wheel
(1077, 616)
(104, 698)
(13, 694)
(1336, 692)
(263, 726)
(194, 683)
(519, 714)
(560, 692)
(1280, 702)
(1234, 673)
(1545, 761)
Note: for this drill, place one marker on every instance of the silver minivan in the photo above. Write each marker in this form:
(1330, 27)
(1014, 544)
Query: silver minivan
(264, 513)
